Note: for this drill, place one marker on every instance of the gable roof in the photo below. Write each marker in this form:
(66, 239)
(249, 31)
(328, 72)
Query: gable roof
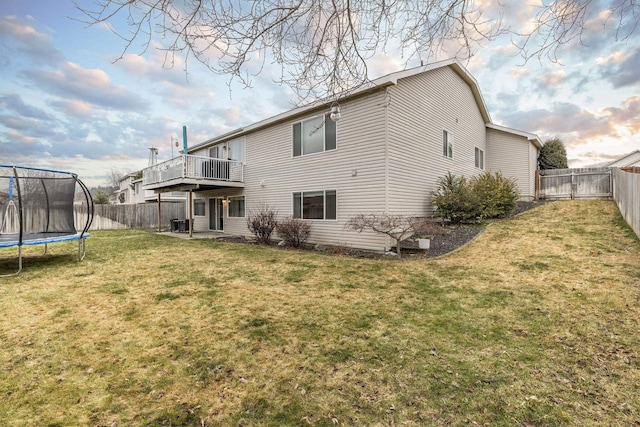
(631, 159)
(535, 140)
(381, 82)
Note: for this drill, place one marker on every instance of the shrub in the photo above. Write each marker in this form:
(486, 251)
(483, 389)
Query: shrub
(262, 221)
(496, 195)
(294, 231)
(398, 227)
(484, 196)
(454, 199)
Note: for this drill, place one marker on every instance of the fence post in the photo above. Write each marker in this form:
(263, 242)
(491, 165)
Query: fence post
(537, 185)
(159, 214)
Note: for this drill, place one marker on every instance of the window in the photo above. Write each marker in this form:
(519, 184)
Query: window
(238, 150)
(236, 207)
(218, 151)
(314, 135)
(315, 205)
(198, 207)
(447, 144)
(479, 158)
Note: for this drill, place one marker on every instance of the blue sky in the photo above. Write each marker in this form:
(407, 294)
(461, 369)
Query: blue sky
(66, 103)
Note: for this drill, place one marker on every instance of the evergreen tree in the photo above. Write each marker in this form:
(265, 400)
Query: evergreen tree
(553, 155)
(100, 198)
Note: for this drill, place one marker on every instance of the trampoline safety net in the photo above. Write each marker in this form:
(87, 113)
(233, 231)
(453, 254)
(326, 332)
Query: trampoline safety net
(39, 206)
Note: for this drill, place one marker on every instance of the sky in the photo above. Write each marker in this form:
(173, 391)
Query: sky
(68, 103)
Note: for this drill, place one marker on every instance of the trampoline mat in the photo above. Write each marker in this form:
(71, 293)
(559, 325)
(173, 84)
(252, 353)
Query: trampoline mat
(13, 239)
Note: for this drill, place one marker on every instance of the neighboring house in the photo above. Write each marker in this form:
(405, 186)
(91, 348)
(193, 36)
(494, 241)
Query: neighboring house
(396, 137)
(131, 191)
(127, 193)
(628, 160)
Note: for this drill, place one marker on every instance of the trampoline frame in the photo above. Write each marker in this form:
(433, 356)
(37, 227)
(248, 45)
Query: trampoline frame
(20, 238)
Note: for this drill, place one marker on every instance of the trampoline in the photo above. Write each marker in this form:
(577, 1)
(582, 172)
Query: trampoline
(40, 206)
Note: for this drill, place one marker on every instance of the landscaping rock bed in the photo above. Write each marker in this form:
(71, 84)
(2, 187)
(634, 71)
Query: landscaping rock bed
(445, 239)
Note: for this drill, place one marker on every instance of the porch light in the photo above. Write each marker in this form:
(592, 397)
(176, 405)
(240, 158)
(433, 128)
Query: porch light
(335, 112)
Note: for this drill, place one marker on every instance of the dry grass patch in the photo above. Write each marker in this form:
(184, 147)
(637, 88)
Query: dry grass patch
(536, 322)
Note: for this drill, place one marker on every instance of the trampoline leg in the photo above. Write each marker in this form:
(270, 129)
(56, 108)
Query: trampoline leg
(82, 249)
(19, 259)
(45, 250)
(19, 264)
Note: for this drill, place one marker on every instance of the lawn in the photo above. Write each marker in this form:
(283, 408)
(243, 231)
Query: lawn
(535, 323)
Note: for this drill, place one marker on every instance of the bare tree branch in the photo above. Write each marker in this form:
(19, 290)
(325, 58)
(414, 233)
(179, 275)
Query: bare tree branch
(322, 47)
(398, 227)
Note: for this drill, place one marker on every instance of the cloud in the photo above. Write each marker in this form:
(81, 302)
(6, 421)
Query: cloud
(33, 127)
(14, 103)
(563, 119)
(73, 107)
(621, 68)
(20, 36)
(627, 116)
(156, 67)
(16, 145)
(88, 85)
(549, 83)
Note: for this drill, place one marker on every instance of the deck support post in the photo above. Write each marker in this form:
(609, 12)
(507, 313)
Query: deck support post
(190, 213)
(159, 214)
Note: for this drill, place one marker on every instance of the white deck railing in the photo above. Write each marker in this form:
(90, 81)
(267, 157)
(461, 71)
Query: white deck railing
(193, 167)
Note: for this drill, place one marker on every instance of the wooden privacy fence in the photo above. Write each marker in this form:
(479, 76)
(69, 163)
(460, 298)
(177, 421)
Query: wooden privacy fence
(142, 216)
(626, 193)
(584, 183)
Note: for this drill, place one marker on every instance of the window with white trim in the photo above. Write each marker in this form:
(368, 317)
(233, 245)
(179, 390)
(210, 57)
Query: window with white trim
(479, 158)
(199, 207)
(315, 204)
(236, 207)
(447, 144)
(314, 135)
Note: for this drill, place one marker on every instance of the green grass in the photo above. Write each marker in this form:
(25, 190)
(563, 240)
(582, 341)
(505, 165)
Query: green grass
(537, 322)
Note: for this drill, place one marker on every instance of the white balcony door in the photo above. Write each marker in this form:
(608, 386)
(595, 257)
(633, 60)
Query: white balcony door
(216, 217)
(218, 152)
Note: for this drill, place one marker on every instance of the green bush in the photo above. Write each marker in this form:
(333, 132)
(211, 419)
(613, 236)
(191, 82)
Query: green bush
(484, 196)
(495, 195)
(454, 199)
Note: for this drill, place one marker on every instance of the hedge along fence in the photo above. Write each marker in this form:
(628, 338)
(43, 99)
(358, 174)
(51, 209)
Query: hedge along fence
(141, 216)
(626, 193)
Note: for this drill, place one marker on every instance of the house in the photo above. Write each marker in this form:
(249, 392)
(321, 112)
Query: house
(131, 191)
(627, 161)
(127, 193)
(395, 138)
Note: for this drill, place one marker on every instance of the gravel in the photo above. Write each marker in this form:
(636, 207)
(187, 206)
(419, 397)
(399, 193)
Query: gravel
(447, 239)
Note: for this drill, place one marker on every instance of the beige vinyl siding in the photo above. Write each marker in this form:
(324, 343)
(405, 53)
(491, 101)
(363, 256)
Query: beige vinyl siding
(355, 170)
(203, 152)
(515, 156)
(231, 225)
(389, 156)
(420, 108)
